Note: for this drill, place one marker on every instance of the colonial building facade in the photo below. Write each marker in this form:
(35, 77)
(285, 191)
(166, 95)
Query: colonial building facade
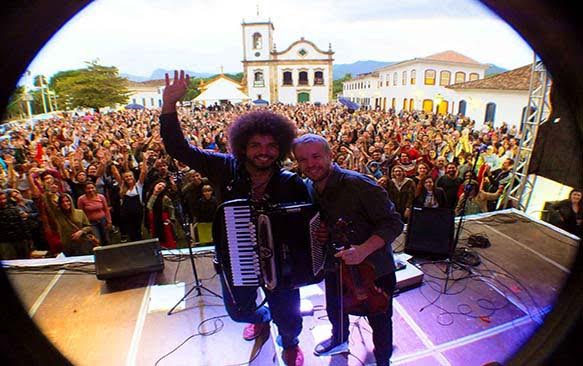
(419, 83)
(300, 73)
(446, 82)
(146, 93)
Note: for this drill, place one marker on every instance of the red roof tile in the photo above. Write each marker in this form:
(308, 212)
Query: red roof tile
(517, 79)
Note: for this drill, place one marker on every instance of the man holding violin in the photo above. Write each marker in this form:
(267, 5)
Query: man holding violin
(360, 218)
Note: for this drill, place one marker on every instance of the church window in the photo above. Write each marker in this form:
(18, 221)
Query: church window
(460, 77)
(430, 77)
(302, 52)
(413, 77)
(257, 41)
(444, 78)
(303, 78)
(474, 76)
(287, 78)
(395, 77)
(319, 78)
(258, 79)
(404, 78)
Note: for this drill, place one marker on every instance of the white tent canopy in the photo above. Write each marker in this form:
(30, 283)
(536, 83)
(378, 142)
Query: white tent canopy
(220, 89)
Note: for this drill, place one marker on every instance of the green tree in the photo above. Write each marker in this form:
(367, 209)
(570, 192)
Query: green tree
(96, 86)
(16, 105)
(193, 90)
(337, 85)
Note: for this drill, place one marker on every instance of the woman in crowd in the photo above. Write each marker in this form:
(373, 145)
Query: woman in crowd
(74, 228)
(422, 171)
(571, 213)
(474, 200)
(428, 195)
(401, 191)
(97, 210)
(46, 192)
(160, 215)
(132, 208)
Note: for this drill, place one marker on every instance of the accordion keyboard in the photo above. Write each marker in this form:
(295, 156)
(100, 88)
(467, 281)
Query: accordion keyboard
(242, 242)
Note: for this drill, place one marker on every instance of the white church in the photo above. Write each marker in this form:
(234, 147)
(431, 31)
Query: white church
(300, 73)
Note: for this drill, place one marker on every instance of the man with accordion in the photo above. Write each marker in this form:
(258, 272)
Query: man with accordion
(259, 142)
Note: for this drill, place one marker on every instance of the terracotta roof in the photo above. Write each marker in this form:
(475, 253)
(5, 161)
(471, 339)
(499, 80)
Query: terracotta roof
(517, 79)
(452, 56)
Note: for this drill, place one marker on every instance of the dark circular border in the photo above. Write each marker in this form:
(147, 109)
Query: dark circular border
(551, 27)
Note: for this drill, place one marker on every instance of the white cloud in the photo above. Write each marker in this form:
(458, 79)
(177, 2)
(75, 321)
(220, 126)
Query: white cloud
(201, 35)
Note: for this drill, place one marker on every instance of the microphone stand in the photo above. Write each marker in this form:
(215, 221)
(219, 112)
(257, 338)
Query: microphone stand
(198, 286)
(467, 188)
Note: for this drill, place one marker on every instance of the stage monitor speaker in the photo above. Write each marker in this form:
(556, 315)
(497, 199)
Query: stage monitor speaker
(430, 232)
(127, 259)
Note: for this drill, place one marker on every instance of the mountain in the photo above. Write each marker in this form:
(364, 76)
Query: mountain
(358, 67)
(493, 70)
(355, 68)
(158, 74)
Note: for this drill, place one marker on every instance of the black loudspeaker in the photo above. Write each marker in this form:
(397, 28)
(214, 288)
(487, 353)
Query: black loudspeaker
(430, 232)
(127, 259)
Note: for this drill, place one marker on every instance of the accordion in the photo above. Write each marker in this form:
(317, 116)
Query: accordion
(268, 245)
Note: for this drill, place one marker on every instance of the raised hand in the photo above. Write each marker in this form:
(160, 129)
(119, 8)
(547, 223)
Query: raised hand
(174, 91)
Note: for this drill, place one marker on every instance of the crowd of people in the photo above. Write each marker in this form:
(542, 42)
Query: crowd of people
(75, 181)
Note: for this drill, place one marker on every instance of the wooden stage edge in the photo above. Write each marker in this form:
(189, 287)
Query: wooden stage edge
(487, 313)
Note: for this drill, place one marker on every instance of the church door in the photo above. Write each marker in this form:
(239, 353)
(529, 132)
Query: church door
(303, 97)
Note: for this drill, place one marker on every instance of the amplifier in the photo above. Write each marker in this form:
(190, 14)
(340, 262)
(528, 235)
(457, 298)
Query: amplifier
(120, 260)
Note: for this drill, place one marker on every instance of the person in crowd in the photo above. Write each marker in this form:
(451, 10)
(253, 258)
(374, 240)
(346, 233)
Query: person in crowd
(192, 192)
(95, 206)
(401, 190)
(571, 213)
(132, 208)
(258, 141)
(14, 241)
(422, 172)
(438, 168)
(373, 227)
(375, 164)
(428, 195)
(450, 183)
(206, 205)
(160, 215)
(474, 200)
(45, 193)
(31, 217)
(409, 167)
(75, 230)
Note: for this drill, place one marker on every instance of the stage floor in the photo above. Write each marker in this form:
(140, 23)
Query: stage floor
(485, 315)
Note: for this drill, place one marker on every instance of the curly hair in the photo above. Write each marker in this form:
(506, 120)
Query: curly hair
(261, 123)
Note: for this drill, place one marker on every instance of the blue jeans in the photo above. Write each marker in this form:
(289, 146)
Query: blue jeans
(100, 230)
(284, 309)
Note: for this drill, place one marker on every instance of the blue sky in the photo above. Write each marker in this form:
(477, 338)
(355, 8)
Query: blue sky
(138, 36)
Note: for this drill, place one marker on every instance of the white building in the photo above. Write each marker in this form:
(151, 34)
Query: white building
(500, 98)
(221, 89)
(300, 73)
(419, 83)
(147, 93)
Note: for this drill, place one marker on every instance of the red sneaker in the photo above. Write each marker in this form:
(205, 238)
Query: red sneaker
(253, 331)
(293, 356)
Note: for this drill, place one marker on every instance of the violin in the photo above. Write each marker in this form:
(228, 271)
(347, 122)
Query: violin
(360, 295)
